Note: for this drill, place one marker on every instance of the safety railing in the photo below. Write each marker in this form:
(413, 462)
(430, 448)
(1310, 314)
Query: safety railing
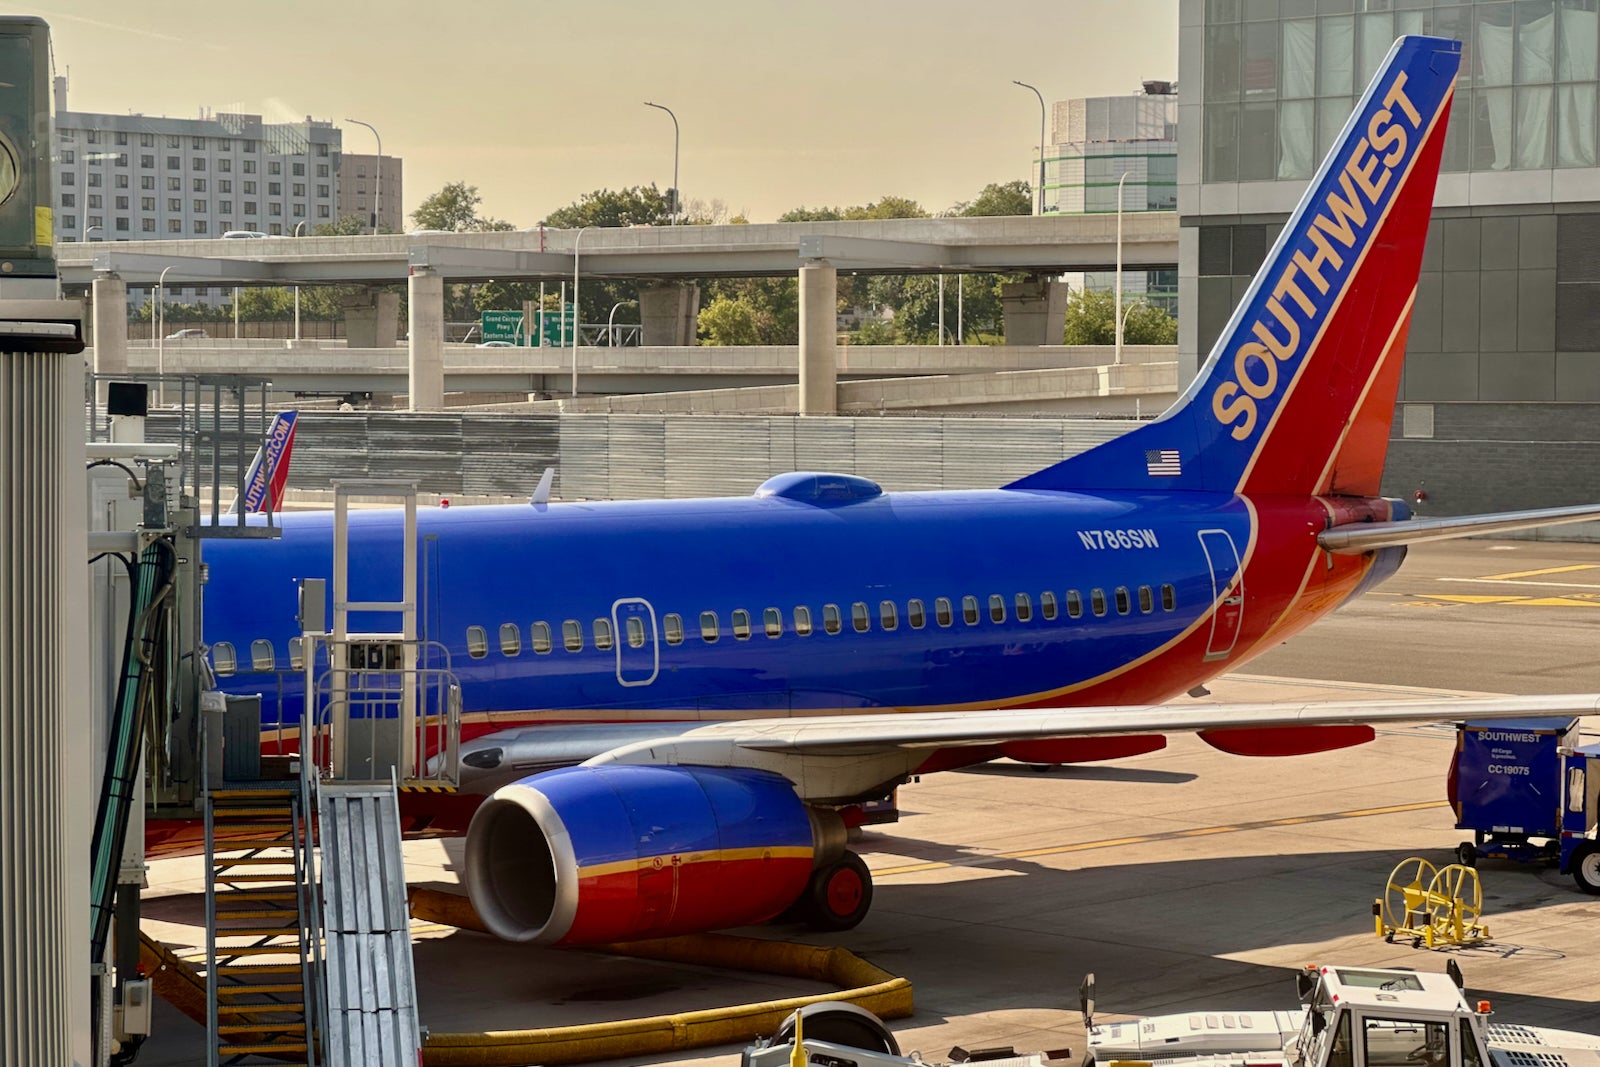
(372, 715)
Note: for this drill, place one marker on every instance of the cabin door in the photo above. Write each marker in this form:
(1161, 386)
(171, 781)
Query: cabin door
(1227, 592)
(638, 644)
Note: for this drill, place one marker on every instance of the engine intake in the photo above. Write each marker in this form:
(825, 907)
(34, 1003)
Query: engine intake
(587, 855)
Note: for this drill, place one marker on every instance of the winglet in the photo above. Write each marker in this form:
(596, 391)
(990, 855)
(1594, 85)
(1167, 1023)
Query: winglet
(541, 492)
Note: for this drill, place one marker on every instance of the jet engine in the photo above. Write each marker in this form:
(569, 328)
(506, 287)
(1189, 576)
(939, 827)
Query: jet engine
(587, 855)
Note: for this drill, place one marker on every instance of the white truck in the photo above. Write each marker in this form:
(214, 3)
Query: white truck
(1350, 1017)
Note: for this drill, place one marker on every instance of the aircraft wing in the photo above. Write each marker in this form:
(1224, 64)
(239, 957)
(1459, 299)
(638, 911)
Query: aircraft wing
(832, 758)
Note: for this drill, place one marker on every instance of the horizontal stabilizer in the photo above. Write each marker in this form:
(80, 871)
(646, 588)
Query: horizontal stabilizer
(1357, 538)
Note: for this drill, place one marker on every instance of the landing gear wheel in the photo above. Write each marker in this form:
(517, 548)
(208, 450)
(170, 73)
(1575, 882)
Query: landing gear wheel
(1586, 867)
(838, 896)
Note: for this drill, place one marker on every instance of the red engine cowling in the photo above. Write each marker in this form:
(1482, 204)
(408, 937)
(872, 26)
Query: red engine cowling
(587, 855)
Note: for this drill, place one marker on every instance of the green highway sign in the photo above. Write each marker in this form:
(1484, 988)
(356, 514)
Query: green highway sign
(502, 326)
(557, 328)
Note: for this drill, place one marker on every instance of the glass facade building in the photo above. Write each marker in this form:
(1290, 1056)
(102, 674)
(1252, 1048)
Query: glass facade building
(1504, 345)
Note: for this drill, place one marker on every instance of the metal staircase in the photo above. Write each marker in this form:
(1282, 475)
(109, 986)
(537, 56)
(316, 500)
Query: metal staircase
(261, 933)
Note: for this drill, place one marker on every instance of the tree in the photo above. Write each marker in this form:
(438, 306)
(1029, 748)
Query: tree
(344, 226)
(455, 209)
(1091, 318)
(810, 214)
(636, 206)
(890, 207)
(1008, 198)
(726, 321)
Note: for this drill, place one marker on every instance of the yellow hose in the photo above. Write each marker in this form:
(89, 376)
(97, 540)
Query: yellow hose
(870, 987)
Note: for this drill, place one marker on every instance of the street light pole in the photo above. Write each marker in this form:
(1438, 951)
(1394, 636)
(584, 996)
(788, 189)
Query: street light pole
(577, 316)
(1040, 95)
(161, 333)
(611, 319)
(1118, 283)
(377, 187)
(677, 197)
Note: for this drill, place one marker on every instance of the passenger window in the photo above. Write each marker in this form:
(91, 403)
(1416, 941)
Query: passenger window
(859, 617)
(741, 625)
(510, 639)
(539, 637)
(969, 610)
(635, 632)
(602, 634)
(1074, 604)
(297, 656)
(772, 620)
(1123, 603)
(830, 618)
(572, 636)
(1169, 598)
(997, 608)
(802, 621)
(942, 613)
(709, 628)
(1047, 605)
(223, 660)
(1097, 601)
(1147, 600)
(1024, 605)
(888, 615)
(477, 642)
(672, 623)
(915, 614)
(262, 657)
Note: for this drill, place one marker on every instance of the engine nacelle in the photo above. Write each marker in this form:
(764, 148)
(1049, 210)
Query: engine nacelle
(587, 855)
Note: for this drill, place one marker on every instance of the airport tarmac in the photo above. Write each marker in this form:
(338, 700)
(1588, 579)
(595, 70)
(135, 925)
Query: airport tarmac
(1183, 878)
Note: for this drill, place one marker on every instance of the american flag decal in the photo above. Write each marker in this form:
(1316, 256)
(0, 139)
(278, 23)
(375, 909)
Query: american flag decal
(1162, 461)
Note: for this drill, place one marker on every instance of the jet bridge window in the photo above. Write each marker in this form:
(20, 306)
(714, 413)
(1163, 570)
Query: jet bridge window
(602, 634)
(916, 615)
(888, 615)
(672, 625)
(1047, 605)
(223, 659)
(997, 608)
(859, 617)
(969, 610)
(1147, 600)
(477, 642)
(1124, 604)
(572, 635)
(741, 624)
(830, 618)
(772, 622)
(539, 637)
(1097, 601)
(1169, 598)
(262, 657)
(510, 639)
(710, 630)
(1024, 606)
(1405, 1043)
(1074, 604)
(802, 621)
(942, 612)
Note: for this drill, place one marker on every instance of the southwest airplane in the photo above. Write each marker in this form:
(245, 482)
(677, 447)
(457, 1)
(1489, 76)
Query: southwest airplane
(679, 706)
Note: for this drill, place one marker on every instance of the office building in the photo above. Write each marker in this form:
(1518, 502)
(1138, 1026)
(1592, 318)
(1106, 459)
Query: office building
(1500, 403)
(359, 189)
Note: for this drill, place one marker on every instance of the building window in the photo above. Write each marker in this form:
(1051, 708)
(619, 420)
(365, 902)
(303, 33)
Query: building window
(147, 140)
(174, 185)
(174, 225)
(120, 181)
(147, 203)
(199, 144)
(225, 144)
(147, 181)
(122, 159)
(249, 207)
(69, 222)
(96, 220)
(93, 137)
(148, 162)
(94, 180)
(274, 167)
(147, 225)
(69, 199)
(275, 209)
(122, 203)
(68, 178)
(122, 137)
(174, 141)
(299, 211)
(322, 191)
(224, 165)
(224, 226)
(322, 170)
(299, 188)
(248, 165)
(174, 203)
(224, 186)
(322, 211)
(250, 146)
(96, 200)
(225, 206)
(199, 185)
(249, 188)
(199, 207)
(200, 226)
(197, 163)
(69, 156)
(298, 169)
(275, 229)
(274, 188)
(322, 149)
(69, 135)
(174, 162)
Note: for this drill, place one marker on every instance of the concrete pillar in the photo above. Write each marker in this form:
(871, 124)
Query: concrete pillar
(372, 320)
(1035, 311)
(669, 314)
(425, 297)
(110, 323)
(819, 339)
(46, 784)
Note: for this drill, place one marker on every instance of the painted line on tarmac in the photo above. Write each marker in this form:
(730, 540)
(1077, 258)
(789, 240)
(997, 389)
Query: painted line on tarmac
(1585, 600)
(1145, 839)
(1534, 574)
(1522, 581)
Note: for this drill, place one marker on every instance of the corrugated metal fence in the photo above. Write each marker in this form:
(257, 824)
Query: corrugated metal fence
(613, 457)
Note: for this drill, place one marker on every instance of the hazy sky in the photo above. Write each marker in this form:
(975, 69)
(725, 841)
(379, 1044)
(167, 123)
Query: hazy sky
(535, 103)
